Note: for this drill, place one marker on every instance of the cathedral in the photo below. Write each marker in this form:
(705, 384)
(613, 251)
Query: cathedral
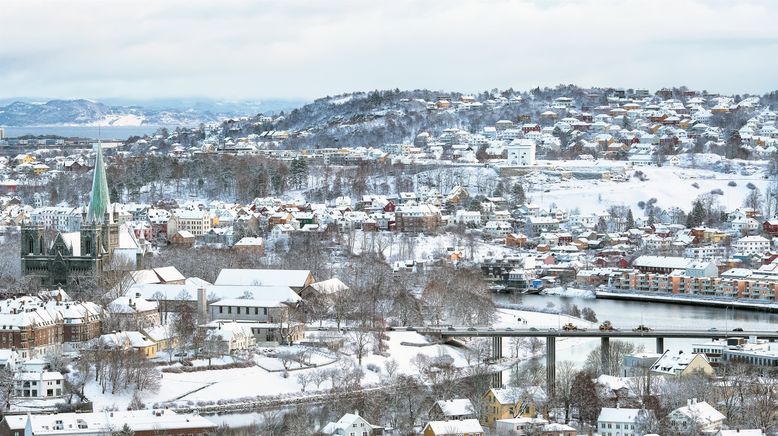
(74, 258)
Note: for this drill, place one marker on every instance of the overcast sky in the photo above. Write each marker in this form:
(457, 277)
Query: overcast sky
(237, 49)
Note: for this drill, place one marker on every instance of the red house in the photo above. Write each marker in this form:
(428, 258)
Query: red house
(771, 227)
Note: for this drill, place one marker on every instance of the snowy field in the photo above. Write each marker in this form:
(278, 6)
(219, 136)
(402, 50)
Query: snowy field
(672, 186)
(237, 383)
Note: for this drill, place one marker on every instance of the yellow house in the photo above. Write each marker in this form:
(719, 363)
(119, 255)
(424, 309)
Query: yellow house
(24, 159)
(681, 364)
(511, 402)
(39, 169)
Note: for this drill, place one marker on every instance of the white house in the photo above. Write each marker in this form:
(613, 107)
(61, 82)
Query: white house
(351, 424)
(750, 245)
(227, 337)
(614, 421)
(468, 217)
(696, 415)
(498, 228)
(33, 381)
(521, 152)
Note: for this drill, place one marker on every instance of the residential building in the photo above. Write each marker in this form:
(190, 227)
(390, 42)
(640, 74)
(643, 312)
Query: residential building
(419, 218)
(445, 410)
(512, 402)
(637, 365)
(614, 421)
(33, 381)
(250, 245)
(465, 427)
(751, 245)
(535, 225)
(294, 279)
(351, 424)
(196, 222)
(697, 417)
(521, 152)
(129, 340)
(680, 364)
(129, 313)
(143, 422)
(227, 337)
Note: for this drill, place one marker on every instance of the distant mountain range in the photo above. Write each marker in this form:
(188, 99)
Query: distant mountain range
(129, 113)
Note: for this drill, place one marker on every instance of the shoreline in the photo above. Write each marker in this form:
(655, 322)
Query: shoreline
(687, 300)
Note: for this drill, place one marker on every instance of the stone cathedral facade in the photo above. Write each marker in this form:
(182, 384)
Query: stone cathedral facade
(68, 261)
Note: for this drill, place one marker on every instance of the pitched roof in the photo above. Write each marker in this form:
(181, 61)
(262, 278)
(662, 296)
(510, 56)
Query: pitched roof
(263, 277)
(616, 414)
(455, 427)
(456, 407)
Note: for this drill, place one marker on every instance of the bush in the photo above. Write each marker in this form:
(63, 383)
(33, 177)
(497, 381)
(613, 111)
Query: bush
(731, 183)
(181, 369)
(717, 192)
(750, 185)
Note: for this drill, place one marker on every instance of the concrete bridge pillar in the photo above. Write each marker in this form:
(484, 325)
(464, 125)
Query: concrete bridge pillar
(660, 345)
(497, 348)
(550, 366)
(605, 353)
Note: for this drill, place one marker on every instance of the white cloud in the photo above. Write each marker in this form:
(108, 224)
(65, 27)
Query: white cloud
(296, 48)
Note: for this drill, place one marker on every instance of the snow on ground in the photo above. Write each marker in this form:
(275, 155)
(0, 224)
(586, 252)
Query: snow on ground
(569, 292)
(670, 185)
(236, 383)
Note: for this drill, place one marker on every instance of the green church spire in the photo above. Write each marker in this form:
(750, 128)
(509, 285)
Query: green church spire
(99, 201)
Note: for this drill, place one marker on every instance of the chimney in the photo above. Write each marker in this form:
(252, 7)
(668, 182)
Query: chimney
(202, 303)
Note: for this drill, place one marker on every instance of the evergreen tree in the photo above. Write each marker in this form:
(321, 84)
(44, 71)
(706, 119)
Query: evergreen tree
(602, 226)
(630, 220)
(126, 431)
(698, 214)
(518, 193)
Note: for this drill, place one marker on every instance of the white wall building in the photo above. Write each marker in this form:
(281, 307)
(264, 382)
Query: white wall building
(521, 152)
(614, 421)
(749, 245)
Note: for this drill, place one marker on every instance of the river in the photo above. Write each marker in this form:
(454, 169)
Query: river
(629, 314)
(623, 314)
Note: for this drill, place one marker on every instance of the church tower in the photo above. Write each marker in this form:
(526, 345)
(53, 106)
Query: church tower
(99, 234)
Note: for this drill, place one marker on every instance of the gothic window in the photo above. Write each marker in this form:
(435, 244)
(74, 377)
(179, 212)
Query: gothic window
(40, 246)
(31, 243)
(88, 246)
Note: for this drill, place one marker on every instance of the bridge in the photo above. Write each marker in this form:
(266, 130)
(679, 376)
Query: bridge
(551, 334)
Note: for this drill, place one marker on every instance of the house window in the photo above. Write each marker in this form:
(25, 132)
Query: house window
(229, 309)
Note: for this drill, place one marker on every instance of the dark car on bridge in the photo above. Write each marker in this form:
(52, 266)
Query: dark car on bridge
(641, 328)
